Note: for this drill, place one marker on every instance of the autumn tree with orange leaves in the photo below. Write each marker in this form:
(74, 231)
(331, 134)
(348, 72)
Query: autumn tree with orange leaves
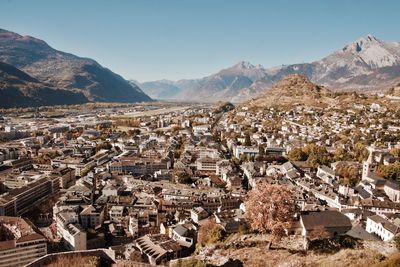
(210, 232)
(270, 209)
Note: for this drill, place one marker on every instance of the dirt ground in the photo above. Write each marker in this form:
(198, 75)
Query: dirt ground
(252, 250)
(262, 257)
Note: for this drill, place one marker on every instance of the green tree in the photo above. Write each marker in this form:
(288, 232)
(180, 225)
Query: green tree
(235, 161)
(397, 242)
(184, 178)
(391, 171)
(395, 152)
(247, 141)
(297, 154)
(360, 152)
(349, 174)
(243, 158)
(340, 154)
(104, 145)
(317, 155)
(217, 234)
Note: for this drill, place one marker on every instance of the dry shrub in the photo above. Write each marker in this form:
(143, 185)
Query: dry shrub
(391, 261)
(76, 260)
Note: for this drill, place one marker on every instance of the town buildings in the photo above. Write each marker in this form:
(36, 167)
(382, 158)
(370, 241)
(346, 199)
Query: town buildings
(144, 179)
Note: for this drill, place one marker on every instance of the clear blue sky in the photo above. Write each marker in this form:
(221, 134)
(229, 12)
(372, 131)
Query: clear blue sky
(171, 39)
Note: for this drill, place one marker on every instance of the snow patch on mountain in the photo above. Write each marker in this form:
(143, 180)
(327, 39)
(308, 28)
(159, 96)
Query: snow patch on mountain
(371, 51)
(378, 57)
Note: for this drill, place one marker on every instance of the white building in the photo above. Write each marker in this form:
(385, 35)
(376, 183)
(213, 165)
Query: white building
(381, 227)
(392, 190)
(133, 226)
(70, 231)
(74, 237)
(181, 235)
(326, 174)
(198, 214)
(201, 129)
(116, 213)
(346, 191)
(249, 151)
(208, 152)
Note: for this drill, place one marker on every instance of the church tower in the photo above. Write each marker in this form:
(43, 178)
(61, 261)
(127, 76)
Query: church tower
(369, 165)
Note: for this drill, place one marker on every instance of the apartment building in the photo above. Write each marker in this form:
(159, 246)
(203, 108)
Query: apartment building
(73, 236)
(20, 200)
(246, 150)
(19, 243)
(67, 176)
(91, 216)
(139, 166)
(207, 164)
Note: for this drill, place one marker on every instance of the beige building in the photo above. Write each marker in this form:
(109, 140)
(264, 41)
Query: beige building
(139, 166)
(20, 200)
(207, 164)
(67, 177)
(91, 217)
(73, 236)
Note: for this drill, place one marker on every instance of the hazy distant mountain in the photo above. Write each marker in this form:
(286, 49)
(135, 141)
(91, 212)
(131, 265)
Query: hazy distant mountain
(62, 70)
(227, 84)
(163, 89)
(18, 89)
(363, 65)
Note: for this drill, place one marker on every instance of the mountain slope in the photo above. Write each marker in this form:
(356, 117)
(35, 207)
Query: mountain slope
(63, 70)
(227, 84)
(367, 64)
(18, 89)
(292, 90)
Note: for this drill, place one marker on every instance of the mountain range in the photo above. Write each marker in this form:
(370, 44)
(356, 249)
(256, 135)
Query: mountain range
(367, 64)
(33, 73)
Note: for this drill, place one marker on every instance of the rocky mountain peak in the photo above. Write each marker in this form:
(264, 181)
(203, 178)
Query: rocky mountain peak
(362, 44)
(361, 57)
(368, 39)
(297, 85)
(292, 90)
(295, 80)
(245, 65)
